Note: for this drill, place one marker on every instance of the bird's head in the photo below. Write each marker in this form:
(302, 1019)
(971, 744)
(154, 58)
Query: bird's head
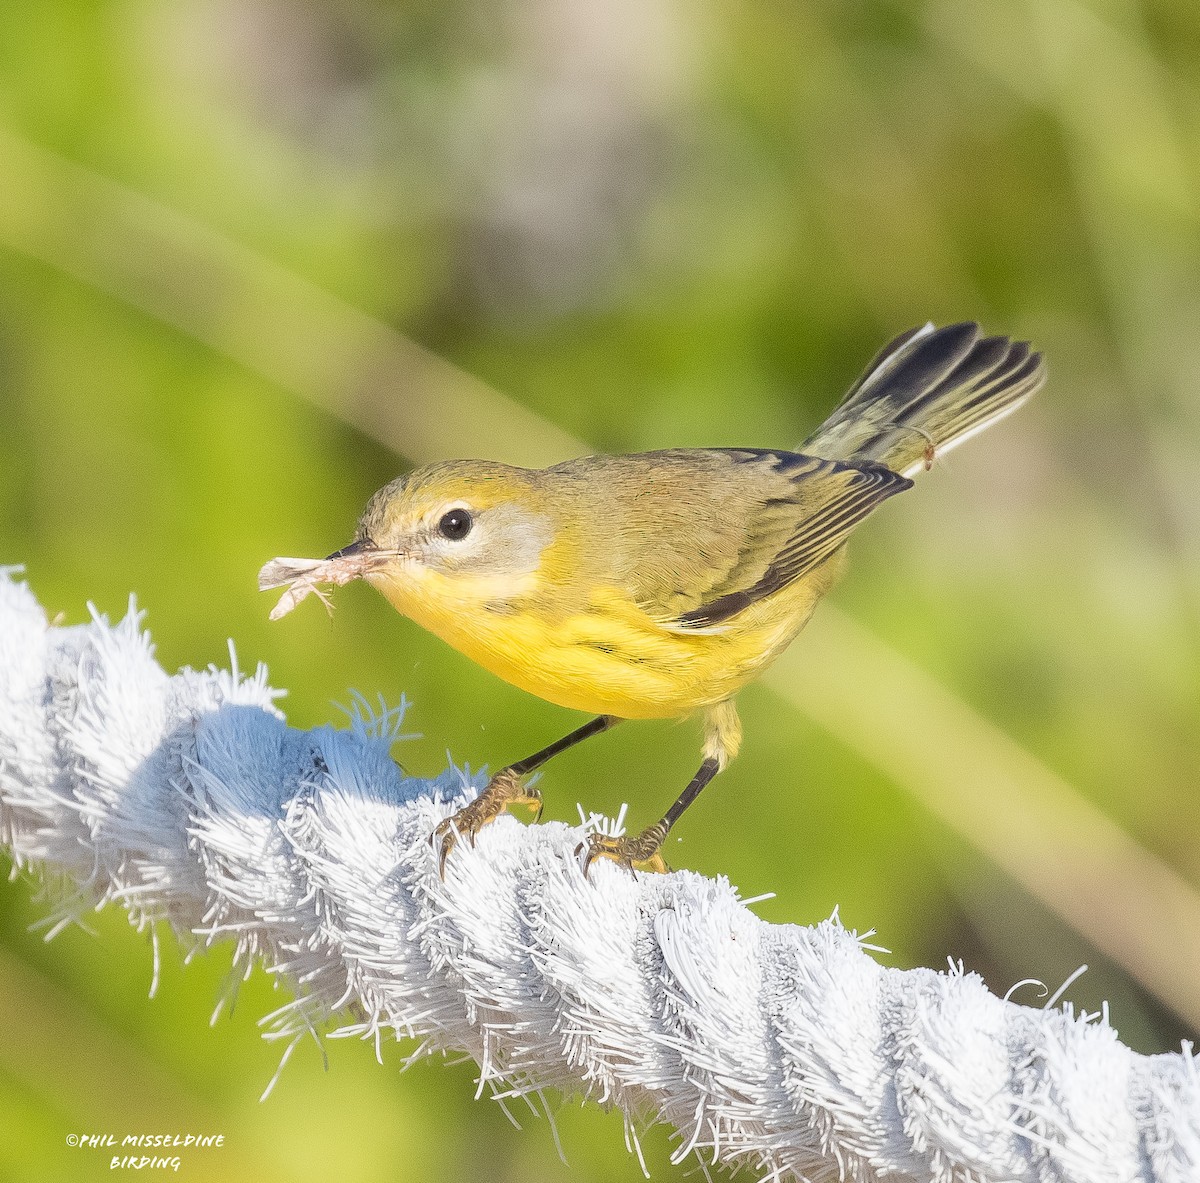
(466, 525)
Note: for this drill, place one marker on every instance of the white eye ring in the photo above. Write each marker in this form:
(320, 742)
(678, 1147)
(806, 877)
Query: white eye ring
(455, 524)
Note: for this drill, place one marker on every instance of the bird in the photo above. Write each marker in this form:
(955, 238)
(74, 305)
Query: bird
(656, 585)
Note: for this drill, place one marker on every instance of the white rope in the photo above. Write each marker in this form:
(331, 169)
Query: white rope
(189, 799)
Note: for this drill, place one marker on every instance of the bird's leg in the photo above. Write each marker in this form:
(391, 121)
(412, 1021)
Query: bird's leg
(643, 850)
(722, 737)
(507, 788)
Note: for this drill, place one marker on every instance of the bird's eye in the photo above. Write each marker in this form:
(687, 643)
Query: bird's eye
(455, 524)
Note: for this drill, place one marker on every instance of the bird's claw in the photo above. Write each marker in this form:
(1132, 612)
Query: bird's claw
(505, 788)
(641, 852)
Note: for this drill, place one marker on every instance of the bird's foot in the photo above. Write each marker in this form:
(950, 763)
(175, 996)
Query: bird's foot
(505, 788)
(641, 852)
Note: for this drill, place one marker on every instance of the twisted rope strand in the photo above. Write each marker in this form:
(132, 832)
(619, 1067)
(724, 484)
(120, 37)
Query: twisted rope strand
(187, 799)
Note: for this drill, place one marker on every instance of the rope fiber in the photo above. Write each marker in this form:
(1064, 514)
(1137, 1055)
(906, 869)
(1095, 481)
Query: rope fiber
(187, 799)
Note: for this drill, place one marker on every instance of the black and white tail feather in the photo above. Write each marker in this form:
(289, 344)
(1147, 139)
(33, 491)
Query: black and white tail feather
(926, 392)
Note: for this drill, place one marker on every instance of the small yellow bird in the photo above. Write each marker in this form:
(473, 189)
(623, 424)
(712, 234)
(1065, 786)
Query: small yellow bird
(656, 585)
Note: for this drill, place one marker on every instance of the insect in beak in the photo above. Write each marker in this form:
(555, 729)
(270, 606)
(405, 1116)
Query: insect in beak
(302, 577)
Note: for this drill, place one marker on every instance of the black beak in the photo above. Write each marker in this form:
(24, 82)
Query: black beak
(359, 548)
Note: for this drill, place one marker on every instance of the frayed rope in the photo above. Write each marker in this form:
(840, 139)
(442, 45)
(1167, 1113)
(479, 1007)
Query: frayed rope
(188, 799)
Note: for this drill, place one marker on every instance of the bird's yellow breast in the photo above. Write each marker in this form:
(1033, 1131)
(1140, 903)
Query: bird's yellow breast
(607, 655)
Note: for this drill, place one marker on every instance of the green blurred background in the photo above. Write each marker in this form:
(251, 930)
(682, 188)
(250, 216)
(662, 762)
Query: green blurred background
(649, 223)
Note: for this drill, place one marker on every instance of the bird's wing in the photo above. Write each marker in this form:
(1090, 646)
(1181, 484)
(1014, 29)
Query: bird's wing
(771, 518)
